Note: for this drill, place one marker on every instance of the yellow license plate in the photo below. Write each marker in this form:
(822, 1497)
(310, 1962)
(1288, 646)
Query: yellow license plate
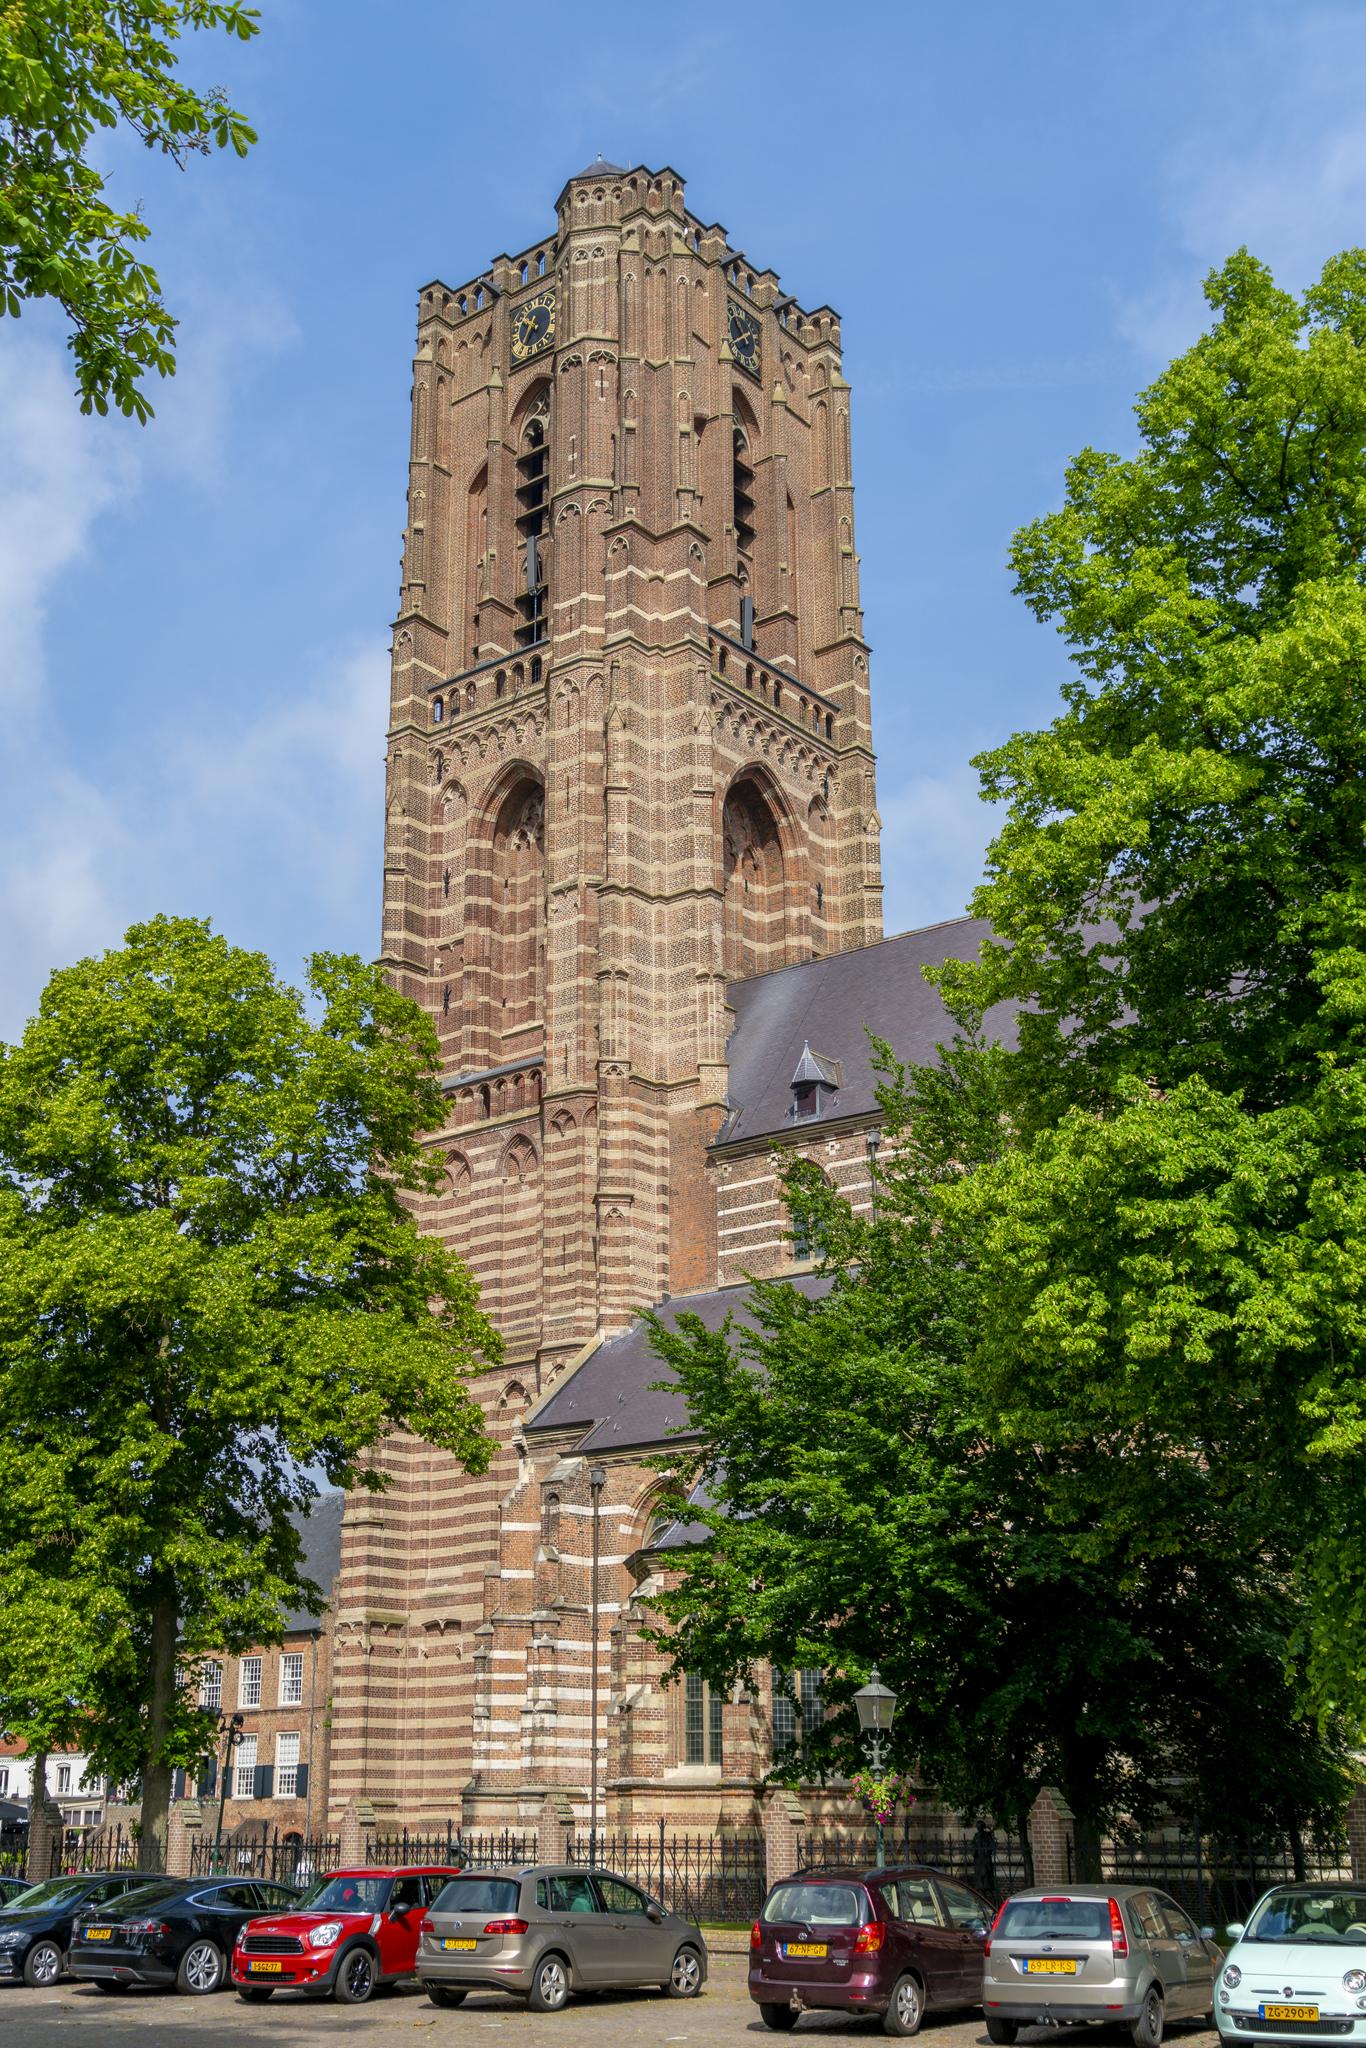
(1051, 1966)
(448, 1943)
(805, 1948)
(266, 1969)
(99, 1934)
(1289, 2012)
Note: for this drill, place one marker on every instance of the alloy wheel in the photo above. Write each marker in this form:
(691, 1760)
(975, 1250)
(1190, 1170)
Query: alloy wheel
(685, 1979)
(359, 1976)
(202, 1968)
(907, 2008)
(553, 1983)
(45, 1964)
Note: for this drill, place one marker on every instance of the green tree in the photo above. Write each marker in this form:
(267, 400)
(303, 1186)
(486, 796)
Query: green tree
(1179, 899)
(210, 1293)
(1095, 1606)
(69, 68)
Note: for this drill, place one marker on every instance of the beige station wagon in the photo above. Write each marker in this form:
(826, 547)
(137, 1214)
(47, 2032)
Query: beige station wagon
(546, 1931)
(1119, 1952)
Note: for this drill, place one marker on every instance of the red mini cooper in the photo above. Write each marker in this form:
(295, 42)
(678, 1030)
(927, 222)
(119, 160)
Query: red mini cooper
(354, 1930)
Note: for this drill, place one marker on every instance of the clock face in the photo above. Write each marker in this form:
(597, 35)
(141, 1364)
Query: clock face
(533, 326)
(744, 336)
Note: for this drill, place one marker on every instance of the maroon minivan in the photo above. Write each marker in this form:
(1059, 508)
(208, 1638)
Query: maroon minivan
(899, 1942)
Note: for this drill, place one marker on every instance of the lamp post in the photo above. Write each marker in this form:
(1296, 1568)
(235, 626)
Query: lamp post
(233, 1730)
(597, 1479)
(876, 1704)
(872, 1139)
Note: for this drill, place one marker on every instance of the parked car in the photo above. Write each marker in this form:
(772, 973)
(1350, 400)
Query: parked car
(1298, 1966)
(900, 1942)
(172, 1930)
(35, 1928)
(354, 1930)
(546, 1931)
(1117, 1953)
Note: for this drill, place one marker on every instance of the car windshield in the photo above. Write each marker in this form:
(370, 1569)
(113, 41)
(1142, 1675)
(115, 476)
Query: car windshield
(53, 1891)
(817, 1905)
(478, 1895)
(1040, 1919)
(1320, 1914)
(346, 1895)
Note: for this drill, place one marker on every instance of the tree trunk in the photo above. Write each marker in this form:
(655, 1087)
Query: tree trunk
(156, 1770)
(1080, 1782)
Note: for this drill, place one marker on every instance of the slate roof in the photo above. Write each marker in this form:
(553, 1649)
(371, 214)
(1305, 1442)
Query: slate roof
(321, 1531)
(599, 168)
(610, 1396)
(826, 1004)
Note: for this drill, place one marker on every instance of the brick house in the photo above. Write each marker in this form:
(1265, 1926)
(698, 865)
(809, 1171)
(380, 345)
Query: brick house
(632, 870)
(283, 1691)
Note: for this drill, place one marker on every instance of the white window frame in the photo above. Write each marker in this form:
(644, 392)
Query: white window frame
(211, 1688)
(244, 1768)
(4, 1777)
(249, 1682)
(287, 1766)
(64, 1778)
(292, 1693)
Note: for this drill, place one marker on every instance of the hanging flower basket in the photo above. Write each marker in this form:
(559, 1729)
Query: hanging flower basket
(880, 1797)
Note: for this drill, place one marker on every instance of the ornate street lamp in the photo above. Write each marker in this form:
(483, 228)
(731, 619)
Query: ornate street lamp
(233, 1730)
(876, 1705)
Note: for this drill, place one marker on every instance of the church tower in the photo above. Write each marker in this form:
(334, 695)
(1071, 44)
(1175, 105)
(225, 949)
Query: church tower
(629, 763)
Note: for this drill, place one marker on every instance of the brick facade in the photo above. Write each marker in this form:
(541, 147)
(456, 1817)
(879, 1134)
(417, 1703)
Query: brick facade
(629, 765)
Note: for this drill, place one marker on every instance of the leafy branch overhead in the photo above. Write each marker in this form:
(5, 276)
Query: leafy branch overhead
(68, 70)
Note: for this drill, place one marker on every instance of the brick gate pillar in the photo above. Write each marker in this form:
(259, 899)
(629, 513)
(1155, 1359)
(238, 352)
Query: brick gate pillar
(554, 1826)
(46, 1832)
(783, 1815)
(357, 1825)
(1051, 1838)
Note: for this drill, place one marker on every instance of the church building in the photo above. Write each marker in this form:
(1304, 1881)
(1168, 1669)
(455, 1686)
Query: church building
(632, 871)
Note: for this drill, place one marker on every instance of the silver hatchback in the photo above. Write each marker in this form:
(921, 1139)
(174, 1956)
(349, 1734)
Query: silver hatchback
(546, 1931)
(1097, 1952)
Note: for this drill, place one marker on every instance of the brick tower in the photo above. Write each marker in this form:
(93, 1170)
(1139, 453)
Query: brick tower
(629, 763)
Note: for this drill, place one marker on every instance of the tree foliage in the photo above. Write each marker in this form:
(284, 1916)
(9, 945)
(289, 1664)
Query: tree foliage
(211, 1294)
(1080, 1427)
(1093, 1603)
(69, 69)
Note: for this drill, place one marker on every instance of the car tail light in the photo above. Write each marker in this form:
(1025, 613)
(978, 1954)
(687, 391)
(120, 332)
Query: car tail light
(870, 1938)
(1119, 1940)
(424, 1925)
(145, 1927)
(986, 1945)
(756, 1939)
(506, 1927)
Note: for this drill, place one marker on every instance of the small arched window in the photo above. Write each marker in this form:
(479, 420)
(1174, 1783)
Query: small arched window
(438, 711)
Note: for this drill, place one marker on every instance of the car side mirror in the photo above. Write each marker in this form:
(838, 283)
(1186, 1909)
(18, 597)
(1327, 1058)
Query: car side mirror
(978, 1927)
(1237, 1928)
(654, 1913)
(1206, 1934)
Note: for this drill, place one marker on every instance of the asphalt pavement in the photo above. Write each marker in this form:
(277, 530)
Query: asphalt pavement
(78, 2016)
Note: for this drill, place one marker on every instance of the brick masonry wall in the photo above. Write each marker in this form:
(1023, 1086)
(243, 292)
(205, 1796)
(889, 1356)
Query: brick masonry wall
(585, 835)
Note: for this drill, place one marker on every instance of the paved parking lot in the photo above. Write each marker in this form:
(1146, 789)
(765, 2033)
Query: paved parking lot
(85, 2018)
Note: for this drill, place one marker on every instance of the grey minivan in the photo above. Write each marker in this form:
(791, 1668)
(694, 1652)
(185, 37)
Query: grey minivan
(1123, 1952)
(545, 1931)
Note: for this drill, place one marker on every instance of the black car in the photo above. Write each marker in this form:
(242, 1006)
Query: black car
(174, 1930)
(35, 1928)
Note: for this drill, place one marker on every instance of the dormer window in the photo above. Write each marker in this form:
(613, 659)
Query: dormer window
(815, 1084)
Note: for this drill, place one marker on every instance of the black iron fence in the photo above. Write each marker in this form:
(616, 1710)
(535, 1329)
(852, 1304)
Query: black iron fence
(112, 1848)
(281, 1856)
(994, 1864)
(1216, 1879)
(703, 1877)
(14, 1850)
(496, 1847)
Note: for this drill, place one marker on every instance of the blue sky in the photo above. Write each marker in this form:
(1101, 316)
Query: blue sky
(1010, 206)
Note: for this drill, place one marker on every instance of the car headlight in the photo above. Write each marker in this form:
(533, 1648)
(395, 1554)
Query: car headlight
(324, 1936)
(1233, 1976)
(1355, 1980)
(11, 1938)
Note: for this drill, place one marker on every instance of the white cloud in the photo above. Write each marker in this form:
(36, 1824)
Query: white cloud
(1291, 186)
(935, 830)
